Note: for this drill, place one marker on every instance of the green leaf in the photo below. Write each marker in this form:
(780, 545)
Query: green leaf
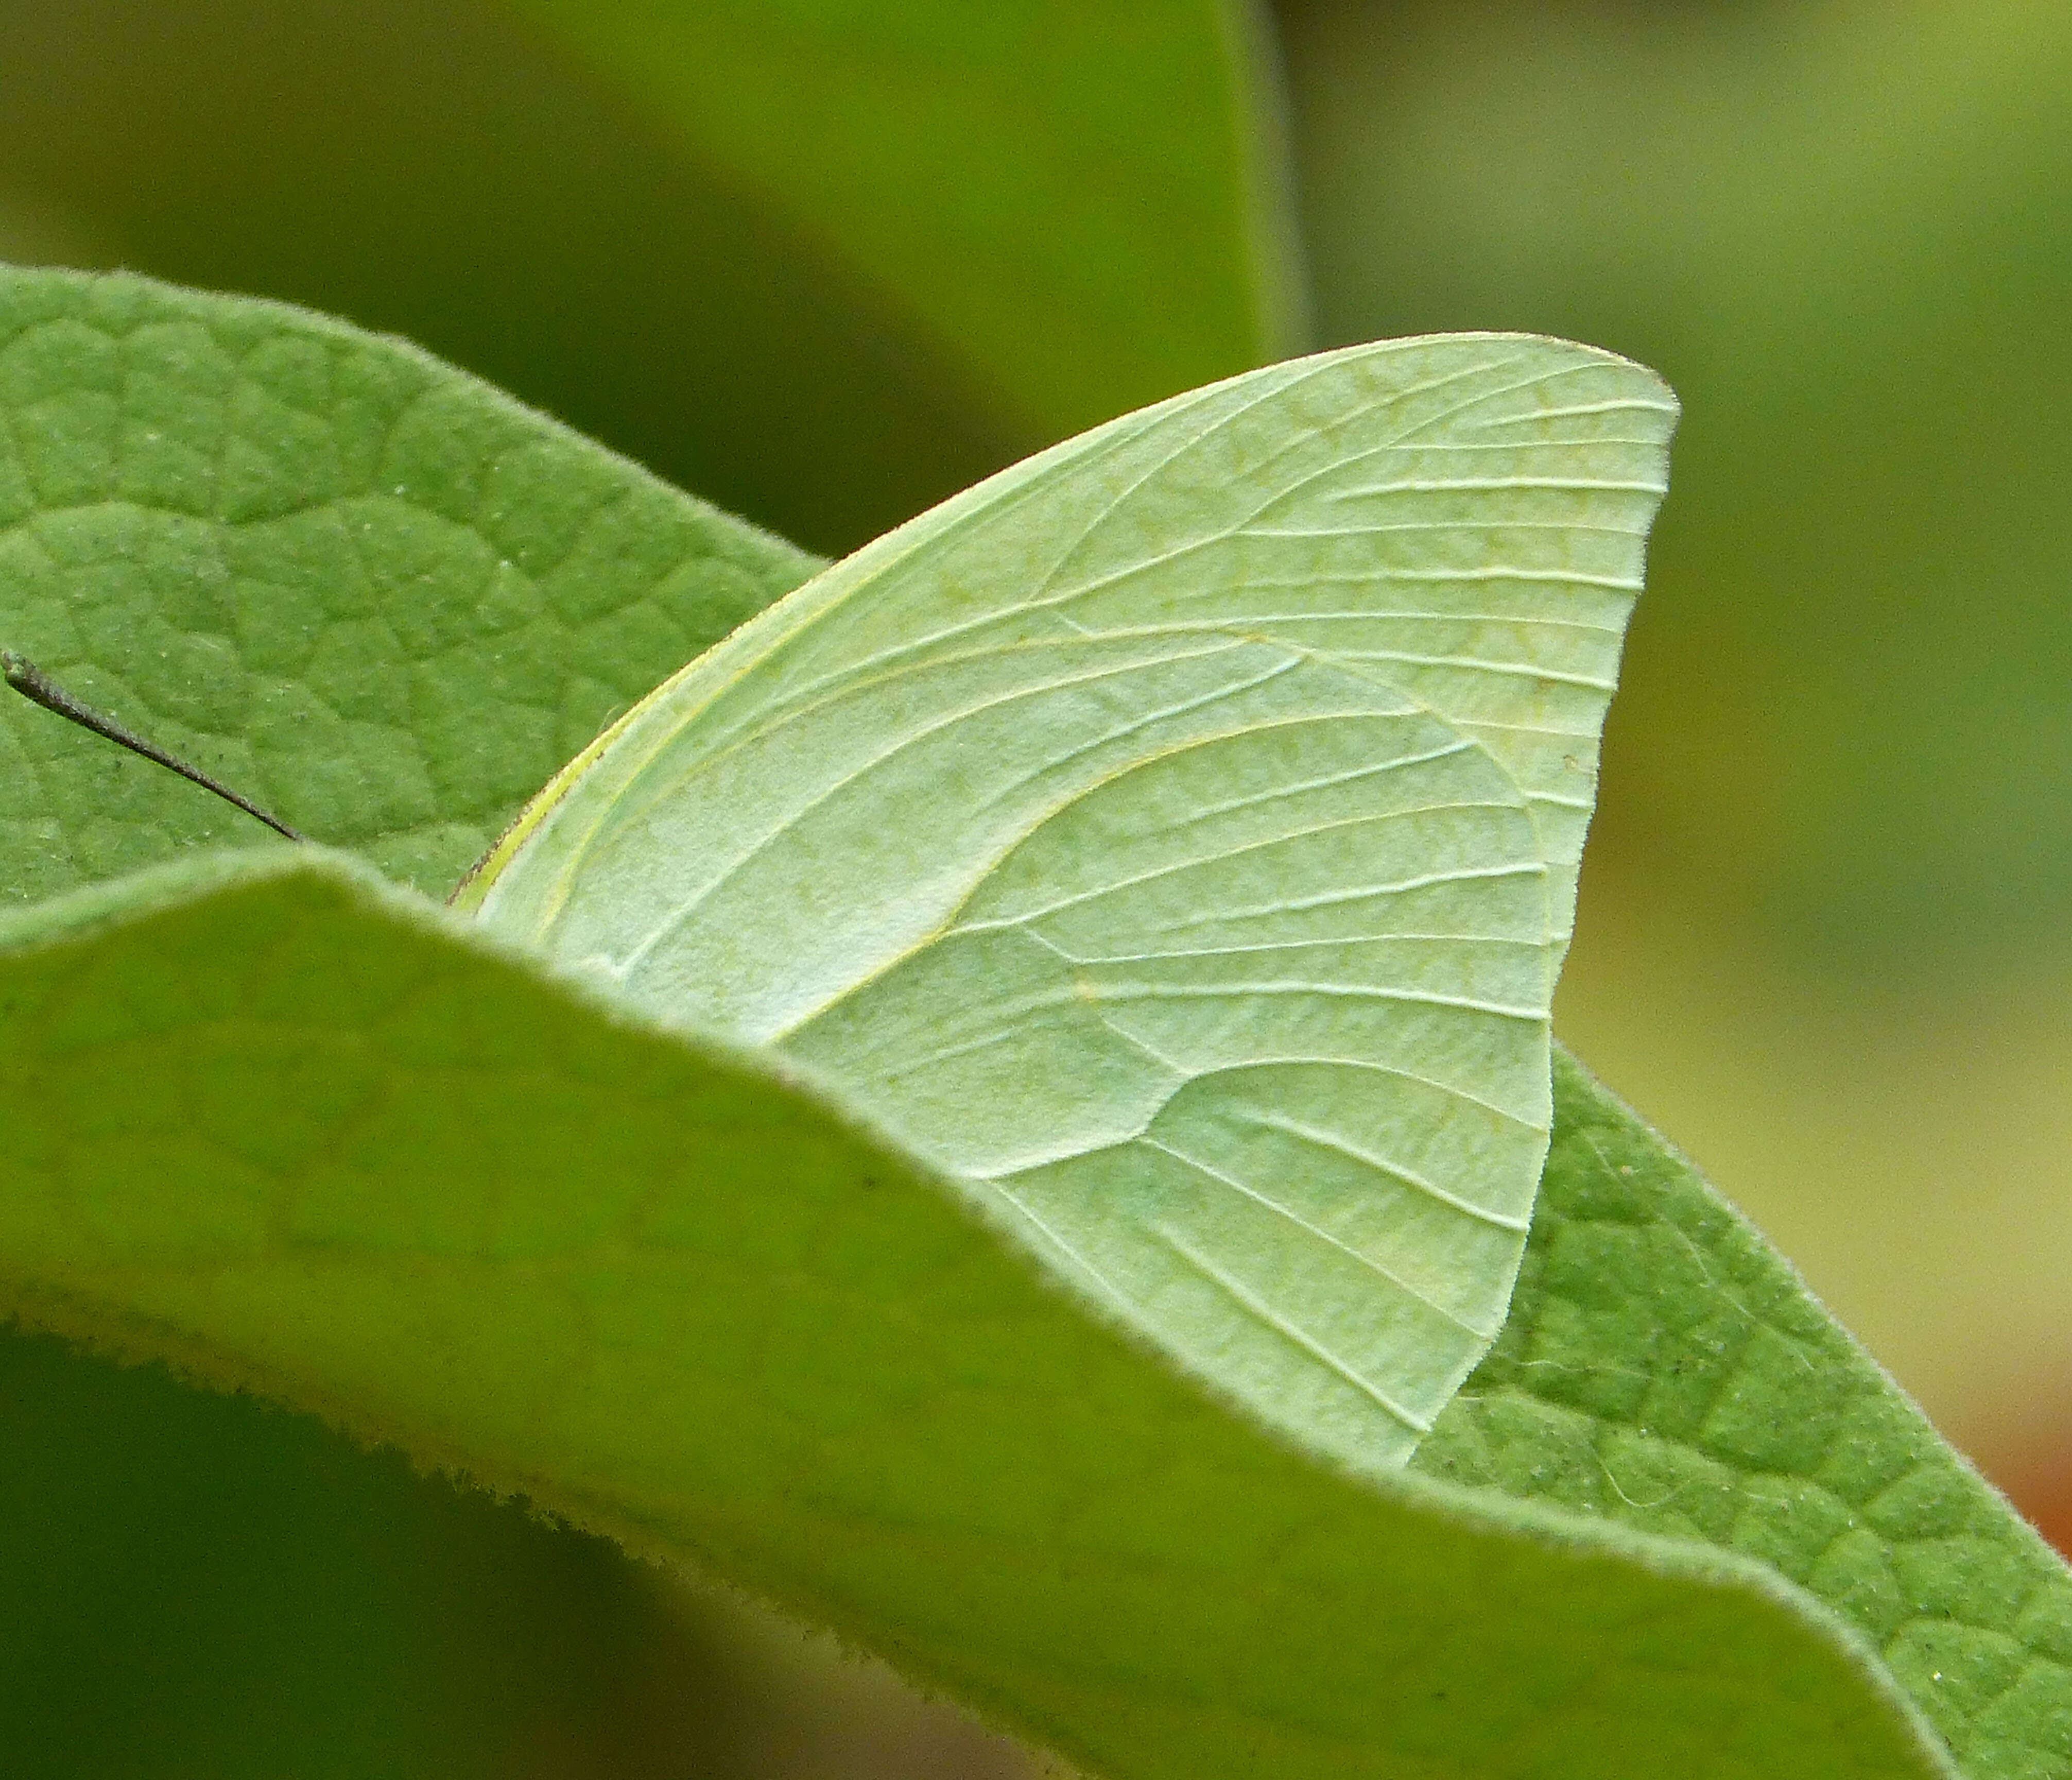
(1088, 204)
(1178, 833)
(1664, 1369)
(292, 1128)
(377, 595)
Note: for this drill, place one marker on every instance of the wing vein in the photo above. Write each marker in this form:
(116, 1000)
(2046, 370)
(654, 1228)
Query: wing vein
(1329, 1140)
(1290, 1331)
(1321, 1235)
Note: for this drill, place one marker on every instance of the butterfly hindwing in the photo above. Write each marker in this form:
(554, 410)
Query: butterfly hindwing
(1176, 834)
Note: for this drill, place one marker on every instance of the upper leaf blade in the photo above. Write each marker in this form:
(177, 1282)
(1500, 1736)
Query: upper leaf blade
(375, 594)
(279, 1123)
(1177, 832)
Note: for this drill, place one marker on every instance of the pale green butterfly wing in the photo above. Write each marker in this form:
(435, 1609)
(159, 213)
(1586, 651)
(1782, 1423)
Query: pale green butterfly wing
(1177, 832)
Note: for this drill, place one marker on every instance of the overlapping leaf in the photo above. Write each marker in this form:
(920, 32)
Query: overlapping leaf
(297, 1130)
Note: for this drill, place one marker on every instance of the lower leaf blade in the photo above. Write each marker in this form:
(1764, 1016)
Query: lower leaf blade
(288, 1128)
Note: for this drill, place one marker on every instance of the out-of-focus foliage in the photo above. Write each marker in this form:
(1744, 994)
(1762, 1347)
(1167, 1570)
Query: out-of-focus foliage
(1826, 934)
(822, 263)
(447, 172)
(195, 1585)
(1083, 203)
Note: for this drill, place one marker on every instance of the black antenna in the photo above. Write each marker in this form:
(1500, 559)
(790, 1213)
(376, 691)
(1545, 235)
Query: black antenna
(27, 679)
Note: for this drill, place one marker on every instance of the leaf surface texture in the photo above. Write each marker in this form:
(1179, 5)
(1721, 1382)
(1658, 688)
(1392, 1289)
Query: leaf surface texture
(378, 596)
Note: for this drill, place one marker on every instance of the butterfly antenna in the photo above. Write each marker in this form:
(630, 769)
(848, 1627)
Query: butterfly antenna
(27, 679)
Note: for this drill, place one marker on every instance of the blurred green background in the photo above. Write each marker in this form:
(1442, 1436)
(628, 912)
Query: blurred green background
(825, 262)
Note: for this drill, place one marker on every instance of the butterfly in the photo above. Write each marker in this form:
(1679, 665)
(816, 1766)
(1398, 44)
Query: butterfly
(1176, 837)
